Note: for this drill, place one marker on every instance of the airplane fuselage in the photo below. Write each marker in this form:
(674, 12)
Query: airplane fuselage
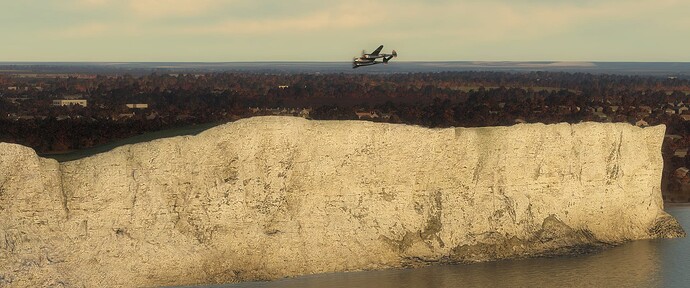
(358, 64)
(369, 56)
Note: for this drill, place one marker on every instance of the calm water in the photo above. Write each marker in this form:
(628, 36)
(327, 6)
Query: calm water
(646, 263)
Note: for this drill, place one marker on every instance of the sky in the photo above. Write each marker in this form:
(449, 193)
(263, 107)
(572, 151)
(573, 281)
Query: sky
(336, 30)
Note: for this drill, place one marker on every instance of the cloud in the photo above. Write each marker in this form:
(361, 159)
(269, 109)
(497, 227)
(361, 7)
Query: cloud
(328, 20)
(152, 9)
(498, 21)
(82, 31)
(171, 8)
(91, 3)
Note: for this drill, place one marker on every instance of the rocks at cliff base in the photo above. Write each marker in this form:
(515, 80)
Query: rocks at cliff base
(270, 197)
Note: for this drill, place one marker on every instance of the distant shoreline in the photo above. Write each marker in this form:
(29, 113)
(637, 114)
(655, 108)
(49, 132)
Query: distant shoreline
(676, 204)
(661, 69)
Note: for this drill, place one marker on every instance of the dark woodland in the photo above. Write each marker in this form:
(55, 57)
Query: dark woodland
(29, 117)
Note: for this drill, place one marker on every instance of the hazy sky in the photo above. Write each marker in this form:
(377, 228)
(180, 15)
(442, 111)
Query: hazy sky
(330, 30)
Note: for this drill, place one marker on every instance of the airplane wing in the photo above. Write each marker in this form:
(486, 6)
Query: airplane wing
(376, 52)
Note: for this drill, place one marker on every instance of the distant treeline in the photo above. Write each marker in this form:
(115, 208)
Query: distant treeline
(429, 99)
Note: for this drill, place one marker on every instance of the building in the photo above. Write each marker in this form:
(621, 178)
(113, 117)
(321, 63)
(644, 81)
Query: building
(681, 172)
(69, 102)
(123, 116)
(138, 106)
(673, 137)
(641, 123)
(305, 112)
(366, 115)
(680, 153)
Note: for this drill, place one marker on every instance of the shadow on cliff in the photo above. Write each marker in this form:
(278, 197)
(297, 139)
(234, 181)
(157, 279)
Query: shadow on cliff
(150, 136)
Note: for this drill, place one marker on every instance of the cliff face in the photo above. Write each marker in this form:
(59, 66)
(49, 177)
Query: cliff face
(271, 197)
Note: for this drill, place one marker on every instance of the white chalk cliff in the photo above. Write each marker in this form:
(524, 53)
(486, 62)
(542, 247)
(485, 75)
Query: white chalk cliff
(271, 197)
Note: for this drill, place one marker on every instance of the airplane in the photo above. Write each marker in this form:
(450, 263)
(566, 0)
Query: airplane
(370, 59)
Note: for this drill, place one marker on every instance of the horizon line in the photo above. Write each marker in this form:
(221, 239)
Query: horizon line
(349, 61)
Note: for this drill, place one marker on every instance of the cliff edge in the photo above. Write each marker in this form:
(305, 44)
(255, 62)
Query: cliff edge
(271, 197)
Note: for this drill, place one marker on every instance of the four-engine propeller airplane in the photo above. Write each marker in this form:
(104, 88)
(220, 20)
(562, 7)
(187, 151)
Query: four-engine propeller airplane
(370, 59)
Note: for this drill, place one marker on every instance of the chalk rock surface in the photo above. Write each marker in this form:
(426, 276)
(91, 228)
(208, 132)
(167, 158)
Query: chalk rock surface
(271, 197)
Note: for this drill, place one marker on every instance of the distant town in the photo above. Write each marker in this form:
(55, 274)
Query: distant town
(54, 113)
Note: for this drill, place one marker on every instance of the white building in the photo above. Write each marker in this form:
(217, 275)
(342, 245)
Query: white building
(138, 106)
(68, 102)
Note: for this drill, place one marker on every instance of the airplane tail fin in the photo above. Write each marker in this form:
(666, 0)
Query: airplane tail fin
(386, 59)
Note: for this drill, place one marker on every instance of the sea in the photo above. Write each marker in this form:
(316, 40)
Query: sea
(642, 263)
